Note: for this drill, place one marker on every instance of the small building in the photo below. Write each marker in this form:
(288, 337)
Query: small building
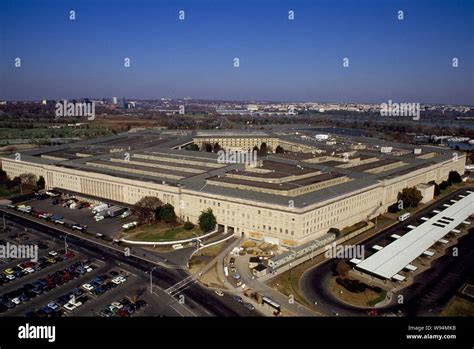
(281, 259)
(427, 191)
(253, 262)
(260, 270)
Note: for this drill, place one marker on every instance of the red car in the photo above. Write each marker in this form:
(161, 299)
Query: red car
(123, 313)
(373, 312)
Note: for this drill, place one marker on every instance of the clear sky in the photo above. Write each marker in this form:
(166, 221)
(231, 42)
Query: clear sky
(280, 60)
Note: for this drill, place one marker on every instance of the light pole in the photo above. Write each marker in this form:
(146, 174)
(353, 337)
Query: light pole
(151, 279)
(65, 243)
(4, 225)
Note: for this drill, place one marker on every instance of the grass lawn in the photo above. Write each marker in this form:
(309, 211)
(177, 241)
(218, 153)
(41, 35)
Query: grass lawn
(6, 193)
(459, 307)
(163, 232)
(368, 298)
(354, 227)
(287, 283)
(204, 256)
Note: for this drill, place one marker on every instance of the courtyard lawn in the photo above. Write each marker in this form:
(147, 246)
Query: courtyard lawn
(162, 232)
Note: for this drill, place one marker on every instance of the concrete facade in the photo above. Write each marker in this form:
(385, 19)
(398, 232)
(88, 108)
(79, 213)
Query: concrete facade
(193, 182)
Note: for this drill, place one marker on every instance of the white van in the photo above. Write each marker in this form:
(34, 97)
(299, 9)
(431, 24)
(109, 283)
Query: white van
(98, 218)
(404, 217)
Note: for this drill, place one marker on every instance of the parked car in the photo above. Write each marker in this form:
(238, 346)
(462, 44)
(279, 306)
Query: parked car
(88, 287)
(53, 306)
(249, 306)
(238, 299)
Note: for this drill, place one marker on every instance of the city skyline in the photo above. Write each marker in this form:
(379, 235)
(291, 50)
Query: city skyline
(407, 60)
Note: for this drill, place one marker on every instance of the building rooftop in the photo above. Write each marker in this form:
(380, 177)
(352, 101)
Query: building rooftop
(160, 157)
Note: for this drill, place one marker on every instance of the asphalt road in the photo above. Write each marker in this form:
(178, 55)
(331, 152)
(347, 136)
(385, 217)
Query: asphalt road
(428, 294)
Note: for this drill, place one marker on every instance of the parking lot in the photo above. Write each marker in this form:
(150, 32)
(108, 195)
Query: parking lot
(79, 212)
(73, 283)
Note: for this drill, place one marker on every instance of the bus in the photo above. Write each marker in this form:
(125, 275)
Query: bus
(272, 304)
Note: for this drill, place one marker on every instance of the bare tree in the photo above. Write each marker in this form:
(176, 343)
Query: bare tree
(147, 208)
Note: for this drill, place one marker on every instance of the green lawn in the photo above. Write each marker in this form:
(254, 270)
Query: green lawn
(6, 193)
(163, 232)
(379, 299)
(352, 228)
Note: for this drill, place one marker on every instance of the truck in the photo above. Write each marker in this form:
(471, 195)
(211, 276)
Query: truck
(114, 211)
(100, 208)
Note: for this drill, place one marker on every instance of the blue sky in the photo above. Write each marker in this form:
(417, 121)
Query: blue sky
(280, 60)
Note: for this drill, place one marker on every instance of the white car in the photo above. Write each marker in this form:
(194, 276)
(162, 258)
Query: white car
(69, 306)
(219, 293)
(130, 225)
(119, 280)
(116, 305)
(88, 268)
(11, 277)
(53, 306)
(53, 253)
(16, 300)
(88, 287)
(72, 305)
(98, 218)
(29, 270)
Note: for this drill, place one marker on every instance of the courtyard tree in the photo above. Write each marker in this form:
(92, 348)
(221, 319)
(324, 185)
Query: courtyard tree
(147, 209)
(437, 190)
(207, 220)
(167, 214)
(40, 183)
(207, 147)
(410, 197)
(454, 177)
(193, 147)
(444, 185)
(342, 268)
(3, 178)
(28, 179)
(334, 231)
(27, 182)
(216, 148)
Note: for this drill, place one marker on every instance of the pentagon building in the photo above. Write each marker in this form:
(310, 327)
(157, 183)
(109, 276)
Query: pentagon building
(285, 198)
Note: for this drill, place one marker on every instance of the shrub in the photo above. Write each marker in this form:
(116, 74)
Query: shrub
(188, 225)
